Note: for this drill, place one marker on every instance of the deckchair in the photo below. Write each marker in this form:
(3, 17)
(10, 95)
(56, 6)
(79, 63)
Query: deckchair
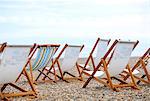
(118, 62)
(14, 59)
(101, 45)
(71, 54)
(141, 67)
(42, 59)
(88, 71)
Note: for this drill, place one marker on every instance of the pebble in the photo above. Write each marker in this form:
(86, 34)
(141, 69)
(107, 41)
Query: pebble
(73, 91)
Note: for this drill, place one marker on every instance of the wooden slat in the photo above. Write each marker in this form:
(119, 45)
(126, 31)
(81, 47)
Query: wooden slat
(19, 94)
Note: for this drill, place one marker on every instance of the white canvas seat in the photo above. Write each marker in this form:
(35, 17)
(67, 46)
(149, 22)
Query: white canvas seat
(117, 64)
(14, 59)
(70, 58)
(120, 58)
(101, 46)
(71, 55)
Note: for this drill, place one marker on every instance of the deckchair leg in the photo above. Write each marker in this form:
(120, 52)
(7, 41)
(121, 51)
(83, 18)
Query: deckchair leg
(90, 78)
(108, 76)
(71, 75)
(122, 82)
(92, 60)
(68, 74)
(4, 86)
(127, 75)
(3, 98)
(87, 82)
(141, 79)
(80, 75)
(79, 78)
(1, 95)
(60, 70)
(22, 93)
(44, 75)
(49, 71)
(138, 82)
(40, 74)
(13, 85)
(31, 71)
(145, 70)
(57, 76)
(146, 73)
(30, 82)
(19, 76)
(132, 77)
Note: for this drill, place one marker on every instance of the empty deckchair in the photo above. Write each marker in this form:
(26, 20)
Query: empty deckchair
(141, 67)
(71, 54)
(101, 46)
(43, 58)
(118, 62)
(14, 59)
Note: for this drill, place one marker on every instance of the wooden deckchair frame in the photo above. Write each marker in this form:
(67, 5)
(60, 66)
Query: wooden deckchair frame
(5, 96)
(32, 53)
(3, 45)
(56, 61)
(91, 58)
(108, 81)
(141, 62)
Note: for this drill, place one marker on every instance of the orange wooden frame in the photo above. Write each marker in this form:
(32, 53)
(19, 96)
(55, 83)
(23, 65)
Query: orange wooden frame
(56, 61)
(108, 80)
(23, 92)
(32, 51)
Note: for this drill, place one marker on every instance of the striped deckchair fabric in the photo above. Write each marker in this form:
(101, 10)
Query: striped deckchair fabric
(44, 55)
(42, 59)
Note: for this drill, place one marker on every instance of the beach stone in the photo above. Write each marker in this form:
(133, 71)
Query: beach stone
(73, 91)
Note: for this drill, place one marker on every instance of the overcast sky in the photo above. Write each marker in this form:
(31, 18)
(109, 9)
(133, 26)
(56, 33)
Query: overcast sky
(50, 21)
